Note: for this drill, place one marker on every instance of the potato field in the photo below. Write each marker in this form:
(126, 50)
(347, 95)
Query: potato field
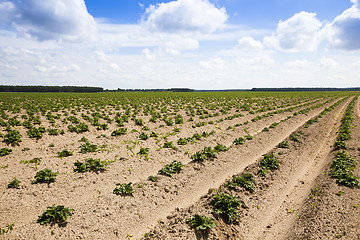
(213, 165)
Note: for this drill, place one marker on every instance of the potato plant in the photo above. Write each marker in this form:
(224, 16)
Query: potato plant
(45, 176)
(201, 223)
(90, 164)
(5, 151)
(124, 189)
(14, 184)
(226, 205)
(55, 214)
(172, 168)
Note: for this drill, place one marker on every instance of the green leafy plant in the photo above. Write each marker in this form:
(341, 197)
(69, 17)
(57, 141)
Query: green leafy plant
(201, 223)
(65, 153)
(143, 136)
(35, 161)
(153, 178)
(55, 214)
(14, 184)
(35, 132)
(79, 128)
(139, 122)
(5, 151)
(90, 164)
(172, 168)
(45, 176)
(88, 147)
(221, 148)
(124, 189)
(12, 137)
(269, 161)
(246, 181)
(239, 141)
(295, 137)
(206, 154)
(284, 144)
(9, 227)
(118, 132)
(170, 145)
(226, 205)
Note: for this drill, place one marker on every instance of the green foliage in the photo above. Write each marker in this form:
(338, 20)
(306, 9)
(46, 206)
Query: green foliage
(88, 147)
(65, 153)
(341, 169)
(55, 214)
(139, 122)
(269, 162)
(45, 176)
(221, 148)
(118, 132)
(35, 161)
(144, 151)
(294, 137)
(35, 132)
(154, 134)
(14, 184)
(170, 145)
(143, 136)
(124, 189)
(239, 141)
(12, 137)
(172, 168)
(206, 154)
(246, 181)
(103, 126)
(5, 151)
(153, 178)
(284, 144)
(78, 128)
(201, 223)
(182, 141)
(9, 227)
(226, 205)
(53, 131)
(90, 164)
(262, 172)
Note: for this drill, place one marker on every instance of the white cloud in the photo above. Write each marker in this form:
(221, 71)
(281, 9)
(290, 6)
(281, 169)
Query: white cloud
(214, 63)
(297, 64)
(185, 16)
(344, 31)
(298, 33)
(248, 43)
(66, 20)
(328, 64)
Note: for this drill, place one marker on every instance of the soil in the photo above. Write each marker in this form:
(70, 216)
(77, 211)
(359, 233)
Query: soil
(279, 207)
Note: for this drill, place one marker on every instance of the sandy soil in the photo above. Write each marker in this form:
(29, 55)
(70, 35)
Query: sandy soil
(162, 207)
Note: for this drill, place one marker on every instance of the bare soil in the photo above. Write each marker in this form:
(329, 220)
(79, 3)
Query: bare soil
(276, 209)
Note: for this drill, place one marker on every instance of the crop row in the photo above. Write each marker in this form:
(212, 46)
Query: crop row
(343, 165)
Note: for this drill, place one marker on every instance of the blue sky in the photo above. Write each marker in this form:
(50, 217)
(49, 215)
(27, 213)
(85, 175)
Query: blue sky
(202, 44)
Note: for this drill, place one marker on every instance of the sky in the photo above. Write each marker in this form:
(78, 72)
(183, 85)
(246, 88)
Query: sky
(200, 44)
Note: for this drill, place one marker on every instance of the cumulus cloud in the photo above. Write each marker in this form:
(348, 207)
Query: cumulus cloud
(298, 33)
(248, 43)
(66, 20)
(185, 15)
(344, 31)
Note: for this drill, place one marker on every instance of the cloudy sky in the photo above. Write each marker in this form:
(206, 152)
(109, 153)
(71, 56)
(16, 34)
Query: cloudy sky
(201, 44)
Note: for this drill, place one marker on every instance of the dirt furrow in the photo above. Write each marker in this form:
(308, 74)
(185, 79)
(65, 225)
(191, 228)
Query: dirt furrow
(274, 219)
(333, 211)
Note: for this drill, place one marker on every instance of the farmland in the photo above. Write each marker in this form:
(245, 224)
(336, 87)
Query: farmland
(233, 165)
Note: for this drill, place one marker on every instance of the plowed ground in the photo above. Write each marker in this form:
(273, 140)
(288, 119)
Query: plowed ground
(278, 208)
